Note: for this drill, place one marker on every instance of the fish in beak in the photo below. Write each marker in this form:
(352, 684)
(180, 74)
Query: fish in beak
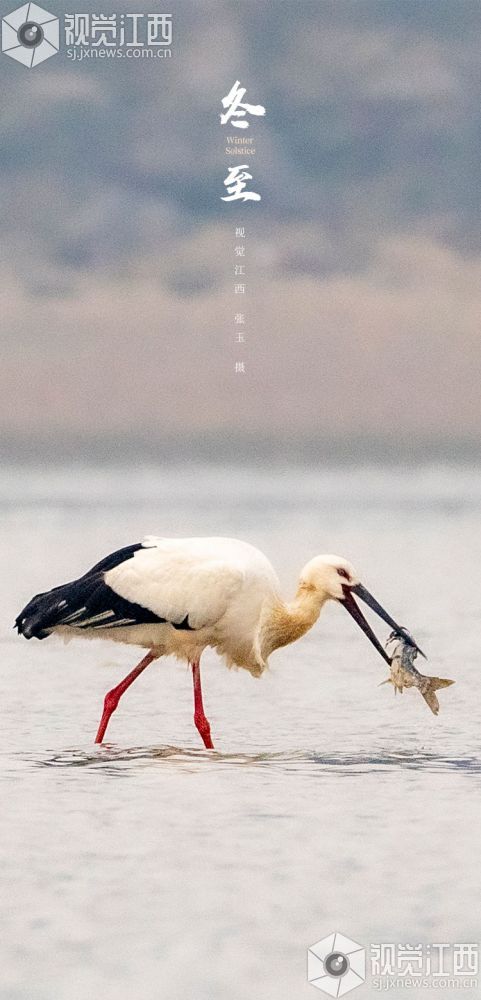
(351, 605)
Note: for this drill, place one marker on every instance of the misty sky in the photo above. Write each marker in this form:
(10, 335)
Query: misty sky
(363, 257)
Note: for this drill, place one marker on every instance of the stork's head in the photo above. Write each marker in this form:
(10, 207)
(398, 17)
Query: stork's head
(334, 578)
(329, 575)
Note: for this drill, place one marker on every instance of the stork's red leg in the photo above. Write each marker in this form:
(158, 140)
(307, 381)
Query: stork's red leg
(113, 697)
(201, 722)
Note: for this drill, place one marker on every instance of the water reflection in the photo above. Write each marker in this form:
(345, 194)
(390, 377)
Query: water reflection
(338, 761)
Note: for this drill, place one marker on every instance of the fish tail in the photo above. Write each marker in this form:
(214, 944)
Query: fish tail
(428, 693)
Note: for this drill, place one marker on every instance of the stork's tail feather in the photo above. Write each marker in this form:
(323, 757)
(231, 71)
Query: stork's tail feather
(41, 614)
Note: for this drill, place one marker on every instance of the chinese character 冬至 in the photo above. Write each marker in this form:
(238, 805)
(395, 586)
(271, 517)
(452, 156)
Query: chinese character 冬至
(235, 183)
(237, 109)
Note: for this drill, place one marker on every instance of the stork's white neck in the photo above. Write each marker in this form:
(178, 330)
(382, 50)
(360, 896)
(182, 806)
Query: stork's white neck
(289, 621)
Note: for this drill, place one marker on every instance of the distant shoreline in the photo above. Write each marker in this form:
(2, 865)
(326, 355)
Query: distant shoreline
(233, 449)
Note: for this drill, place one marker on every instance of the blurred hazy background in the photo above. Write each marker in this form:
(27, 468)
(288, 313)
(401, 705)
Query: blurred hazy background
(364, 255)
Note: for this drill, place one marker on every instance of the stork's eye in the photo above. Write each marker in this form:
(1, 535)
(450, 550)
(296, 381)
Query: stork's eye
(344, 573)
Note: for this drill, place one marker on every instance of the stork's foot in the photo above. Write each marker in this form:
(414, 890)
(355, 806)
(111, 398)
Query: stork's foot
(202, 725)
(200, 719)
(113, 697)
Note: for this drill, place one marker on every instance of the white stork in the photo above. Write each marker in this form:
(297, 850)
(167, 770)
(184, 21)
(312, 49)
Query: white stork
(179, 595)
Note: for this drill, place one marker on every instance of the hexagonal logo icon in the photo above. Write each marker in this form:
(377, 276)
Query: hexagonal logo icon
(30, 35)
(336, 965)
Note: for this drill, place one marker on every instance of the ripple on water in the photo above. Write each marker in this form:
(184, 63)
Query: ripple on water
(110, 756)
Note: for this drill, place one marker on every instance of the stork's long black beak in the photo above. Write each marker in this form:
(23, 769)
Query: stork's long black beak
(355, 611)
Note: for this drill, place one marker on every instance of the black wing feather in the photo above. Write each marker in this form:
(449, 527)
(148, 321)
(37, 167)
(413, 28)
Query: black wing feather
(115, 558)
(88, 602)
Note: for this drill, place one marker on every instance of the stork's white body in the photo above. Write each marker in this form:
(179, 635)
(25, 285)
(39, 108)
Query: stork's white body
(226, 587)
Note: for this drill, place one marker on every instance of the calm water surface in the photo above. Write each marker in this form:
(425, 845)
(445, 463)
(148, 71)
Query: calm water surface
(151, 868)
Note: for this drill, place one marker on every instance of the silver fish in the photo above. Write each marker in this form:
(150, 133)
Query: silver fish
(405, 675)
